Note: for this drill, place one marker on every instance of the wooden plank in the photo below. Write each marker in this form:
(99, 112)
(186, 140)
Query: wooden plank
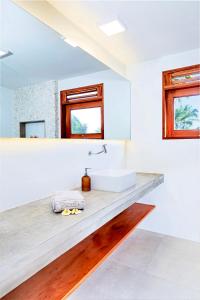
(182, 85)
(57, 280)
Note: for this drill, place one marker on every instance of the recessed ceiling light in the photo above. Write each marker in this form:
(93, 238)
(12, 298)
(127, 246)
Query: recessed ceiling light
(70, 42)
(112, 27)
(5, 53)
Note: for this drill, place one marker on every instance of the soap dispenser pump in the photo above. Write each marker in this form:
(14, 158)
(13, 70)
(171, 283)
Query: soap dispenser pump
(86, 182)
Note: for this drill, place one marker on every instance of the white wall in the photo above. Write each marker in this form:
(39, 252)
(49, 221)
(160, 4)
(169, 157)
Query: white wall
(6, 112)
(178, 199)
(31, 169)
(116, 100)
(34, 168)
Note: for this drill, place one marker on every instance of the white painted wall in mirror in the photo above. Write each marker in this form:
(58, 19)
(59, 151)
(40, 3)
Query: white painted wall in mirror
(7, 97)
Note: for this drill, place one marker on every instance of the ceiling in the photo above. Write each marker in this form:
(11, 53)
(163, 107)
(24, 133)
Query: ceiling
(154, 28)
(39, 52)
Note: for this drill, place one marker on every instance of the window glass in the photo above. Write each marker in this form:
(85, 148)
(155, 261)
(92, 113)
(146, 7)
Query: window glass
(87, 120)
(187, 113)
(186, 78)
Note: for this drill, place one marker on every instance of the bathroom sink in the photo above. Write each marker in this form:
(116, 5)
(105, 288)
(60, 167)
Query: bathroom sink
(113, 180)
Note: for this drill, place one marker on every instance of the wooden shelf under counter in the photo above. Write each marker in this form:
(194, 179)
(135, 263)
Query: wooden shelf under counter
(61, 277)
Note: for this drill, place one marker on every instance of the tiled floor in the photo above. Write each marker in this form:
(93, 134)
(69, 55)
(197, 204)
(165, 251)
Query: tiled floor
(147, 266)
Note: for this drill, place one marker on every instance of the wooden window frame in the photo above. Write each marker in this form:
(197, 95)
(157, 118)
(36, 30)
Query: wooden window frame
(67, 105)
(172, 90)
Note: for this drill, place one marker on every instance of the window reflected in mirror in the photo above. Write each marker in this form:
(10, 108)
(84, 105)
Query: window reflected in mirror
(82, 111)
(86, 120)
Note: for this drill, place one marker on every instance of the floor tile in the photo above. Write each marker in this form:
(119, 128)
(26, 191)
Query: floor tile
(147, 266)
(137, 251)
(110, 281)
(154, 288)
(178, 261)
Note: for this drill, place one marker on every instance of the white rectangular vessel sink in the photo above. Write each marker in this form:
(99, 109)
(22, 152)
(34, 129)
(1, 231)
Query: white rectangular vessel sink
(113, 180)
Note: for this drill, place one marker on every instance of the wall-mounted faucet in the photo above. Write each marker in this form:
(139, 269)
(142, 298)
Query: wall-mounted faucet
(104, 150)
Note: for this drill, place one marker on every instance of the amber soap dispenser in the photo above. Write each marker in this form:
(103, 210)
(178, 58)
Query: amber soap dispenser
(86, 182)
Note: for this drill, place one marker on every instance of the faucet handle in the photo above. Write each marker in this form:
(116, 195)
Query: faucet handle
(104, 147)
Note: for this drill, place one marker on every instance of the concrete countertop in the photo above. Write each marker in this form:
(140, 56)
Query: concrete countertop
(32, 236)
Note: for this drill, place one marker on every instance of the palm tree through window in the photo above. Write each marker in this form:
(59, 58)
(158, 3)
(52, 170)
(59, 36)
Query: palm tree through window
(181, 103)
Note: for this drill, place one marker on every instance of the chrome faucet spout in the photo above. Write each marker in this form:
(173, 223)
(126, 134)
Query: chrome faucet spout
(102, 151)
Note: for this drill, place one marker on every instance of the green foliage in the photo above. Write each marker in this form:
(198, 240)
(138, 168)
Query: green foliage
(78, 127)
(98, 130)
(185, 115)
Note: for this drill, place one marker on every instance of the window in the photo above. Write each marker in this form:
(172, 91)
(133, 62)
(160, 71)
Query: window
(181, 103)
(82, 114)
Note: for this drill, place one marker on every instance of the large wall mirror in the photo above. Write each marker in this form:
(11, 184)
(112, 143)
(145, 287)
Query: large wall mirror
(51, 89)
